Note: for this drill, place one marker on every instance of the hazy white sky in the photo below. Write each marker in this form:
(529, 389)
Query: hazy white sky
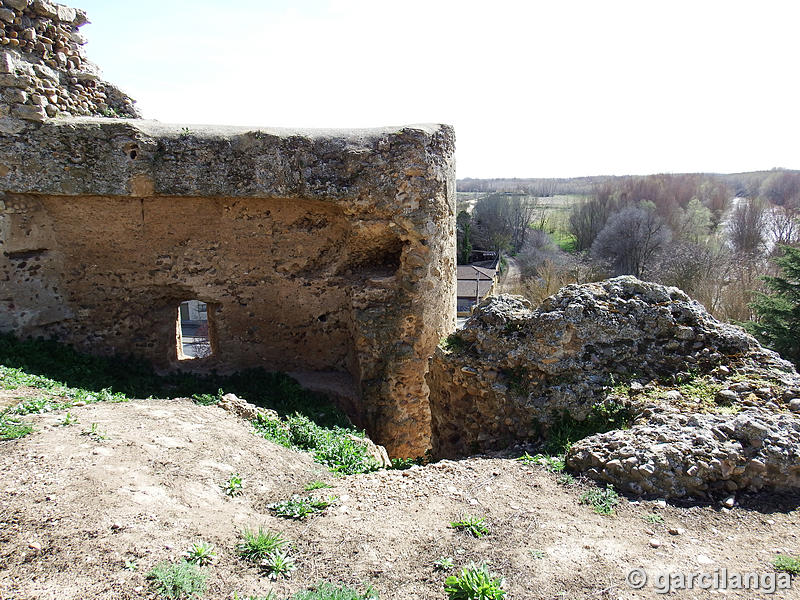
(534, 88)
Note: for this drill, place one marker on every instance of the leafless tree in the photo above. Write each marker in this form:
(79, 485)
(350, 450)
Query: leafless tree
(631, 240)
(502, 221)
(589, 218)
(747, 226)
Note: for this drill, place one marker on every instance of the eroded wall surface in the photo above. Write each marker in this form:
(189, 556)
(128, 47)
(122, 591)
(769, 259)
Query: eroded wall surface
(316, 251)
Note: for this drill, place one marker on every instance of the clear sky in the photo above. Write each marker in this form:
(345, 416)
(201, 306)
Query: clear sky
(534, 88)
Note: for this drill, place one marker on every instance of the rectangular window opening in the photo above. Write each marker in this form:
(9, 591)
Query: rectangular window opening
(194, 339)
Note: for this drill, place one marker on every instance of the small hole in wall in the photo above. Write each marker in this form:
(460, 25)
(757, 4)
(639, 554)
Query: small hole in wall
(133, 155)
(194, 326)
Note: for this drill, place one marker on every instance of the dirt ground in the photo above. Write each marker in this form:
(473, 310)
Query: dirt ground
(74, 509)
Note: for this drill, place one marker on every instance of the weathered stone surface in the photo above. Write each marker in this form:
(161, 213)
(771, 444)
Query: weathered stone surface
(43, 47)
(677, 455)
(243, 409)
(328, 251)
(514, 371)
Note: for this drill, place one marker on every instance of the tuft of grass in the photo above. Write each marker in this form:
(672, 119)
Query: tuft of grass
(316, 485)
(475, 582)
(301, 507)
(338, 448)
(604, 416)
(13, 428)
(233, 487)
(95, 434)
(327, 591)
(208, 399)
(270, 596)
(603, 500)
(443, 563)
(200, 554)
(565, 479)
(69, 419)
(537, 554)
(278, 563)
(178, 581)
(787, 564)
(653, 519)
(475, 526)
(257, 544)
(553, 464)
(453, 343)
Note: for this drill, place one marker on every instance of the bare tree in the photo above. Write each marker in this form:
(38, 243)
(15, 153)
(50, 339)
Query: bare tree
(589, 218)
(747, 226)
(631, 239)
(502, 221)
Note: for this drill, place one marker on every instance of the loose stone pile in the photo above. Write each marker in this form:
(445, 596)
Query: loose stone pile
(677, 455)
(43, 68)
(710, 406)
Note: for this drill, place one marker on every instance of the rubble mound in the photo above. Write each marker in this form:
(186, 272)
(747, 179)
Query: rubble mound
(676, 455)
(614, 353)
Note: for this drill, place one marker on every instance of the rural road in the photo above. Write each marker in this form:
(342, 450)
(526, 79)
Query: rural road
(510, 280)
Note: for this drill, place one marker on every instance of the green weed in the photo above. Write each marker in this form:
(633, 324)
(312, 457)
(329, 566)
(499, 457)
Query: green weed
(338, 448)
(95, 434)
(233, 487)
(316, 485)
(653, 519)
(443, 563)
(208, 399)
(278, 563)
(787, 564)
(179, 581)
(565, 479)
(201, 554)
(69, 419)
(298, 507)
(475, 526)
(327, 591)
(553, 464)
(475, 582)
(13, 428)
(603, 500)
(537, 554)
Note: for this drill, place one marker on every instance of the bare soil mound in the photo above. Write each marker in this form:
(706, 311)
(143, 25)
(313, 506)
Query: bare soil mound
(82, 517)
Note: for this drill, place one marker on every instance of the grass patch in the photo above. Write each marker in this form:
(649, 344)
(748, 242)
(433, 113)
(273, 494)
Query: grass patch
(309, 421)
(602, 500)
(553, 464)
(181, 580)
(327, 591)
(13, 428)
(316, 485)
(257, 544)
(453, 343)
(475, 582)
(338, 448)
(604, 416)
(787, 564)
(299, 507)
(653, 519)
(475, 526)
(278, 563)
(72, 376)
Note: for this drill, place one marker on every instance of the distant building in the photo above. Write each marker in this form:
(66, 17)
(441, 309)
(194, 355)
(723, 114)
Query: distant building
(474, 284)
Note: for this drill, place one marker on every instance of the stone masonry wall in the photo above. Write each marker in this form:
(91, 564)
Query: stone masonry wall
(328, 254)
(316, 251)
(44, 71)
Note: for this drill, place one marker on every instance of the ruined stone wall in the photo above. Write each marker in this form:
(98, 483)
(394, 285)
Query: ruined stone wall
(44, 71)
(329, 252)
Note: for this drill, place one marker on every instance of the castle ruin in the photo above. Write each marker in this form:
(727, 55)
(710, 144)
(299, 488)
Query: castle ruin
(329, 254)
